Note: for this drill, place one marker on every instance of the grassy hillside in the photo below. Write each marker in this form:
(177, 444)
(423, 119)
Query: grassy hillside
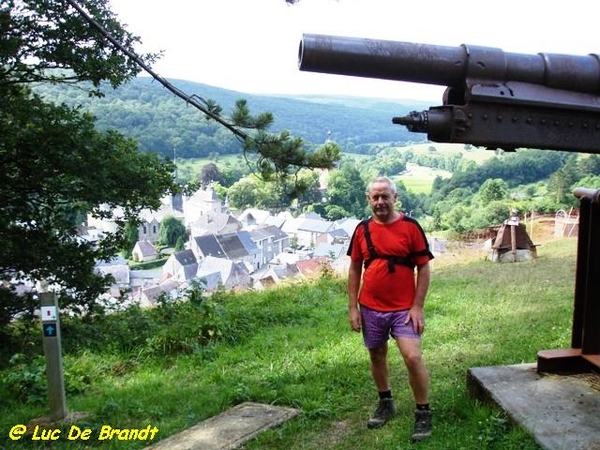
(292, 346)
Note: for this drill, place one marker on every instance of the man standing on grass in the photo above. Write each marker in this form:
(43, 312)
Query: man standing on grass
(391, 245)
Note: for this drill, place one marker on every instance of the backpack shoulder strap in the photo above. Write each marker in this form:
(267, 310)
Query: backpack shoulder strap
(391, 259)
(369, 241)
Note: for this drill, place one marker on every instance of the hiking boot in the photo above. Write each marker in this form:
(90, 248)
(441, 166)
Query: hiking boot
(422, 426)
(384, 412)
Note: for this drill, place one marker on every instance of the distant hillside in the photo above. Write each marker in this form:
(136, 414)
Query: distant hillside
(160, 121)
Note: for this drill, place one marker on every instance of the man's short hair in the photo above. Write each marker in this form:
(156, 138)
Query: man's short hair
(387, 180)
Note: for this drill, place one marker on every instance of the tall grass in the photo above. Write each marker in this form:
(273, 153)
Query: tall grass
(292, 346)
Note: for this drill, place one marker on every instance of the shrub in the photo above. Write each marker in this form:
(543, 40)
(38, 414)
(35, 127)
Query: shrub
(26, 381)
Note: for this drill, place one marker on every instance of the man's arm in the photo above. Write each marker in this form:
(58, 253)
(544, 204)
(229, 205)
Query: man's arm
(422, 286)
(423, 277)
(354, 274)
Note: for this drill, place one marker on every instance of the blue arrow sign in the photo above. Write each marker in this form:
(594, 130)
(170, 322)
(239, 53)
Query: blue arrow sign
(49, 330)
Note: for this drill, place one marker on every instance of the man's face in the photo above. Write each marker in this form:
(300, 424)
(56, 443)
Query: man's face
(382, 201)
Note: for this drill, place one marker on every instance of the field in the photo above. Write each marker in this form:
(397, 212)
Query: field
(419, 179)
(189, 168)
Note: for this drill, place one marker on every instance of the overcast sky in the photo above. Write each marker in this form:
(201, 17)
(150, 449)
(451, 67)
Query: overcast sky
(251, 46)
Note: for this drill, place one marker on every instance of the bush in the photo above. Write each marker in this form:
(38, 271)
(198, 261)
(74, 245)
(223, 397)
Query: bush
(186, 326)
(123, 331)
(26, 379)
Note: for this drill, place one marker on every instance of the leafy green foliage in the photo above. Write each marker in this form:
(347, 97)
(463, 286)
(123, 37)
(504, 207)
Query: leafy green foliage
(290, 156)
(172, 327)
(473, 203)
(515, 168)
(48, 41)
(171, 230)
(130, 237)
(479, 196)
(252, 192)
(185, 327)
(493, 190)
(78, 169)
(26, 379)
(347, 190)
(208, 174)
(56, 166)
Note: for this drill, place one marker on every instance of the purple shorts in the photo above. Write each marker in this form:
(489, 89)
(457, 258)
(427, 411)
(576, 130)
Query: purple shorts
(377, 327)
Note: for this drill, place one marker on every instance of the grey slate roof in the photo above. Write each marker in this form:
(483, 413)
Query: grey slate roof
(246, 240)
(215, 222)
(278, 234)
(185, 257)
(232, 246)
(348, 225)
(315, 226)
(146, 248)
(338, 232)
(262, 233)
(276, 221)
(210, 280)
(189, 272)
(209, 246)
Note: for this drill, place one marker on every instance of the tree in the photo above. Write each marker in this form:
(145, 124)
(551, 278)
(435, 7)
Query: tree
(389, 164)
(560, 183)
(47, 41)
(244, 193)
(409, 202)
(55, 166)
(347, 190)
(252, 192)
(588, 165)
(54, 163)
(334, 212)
(131, 234)
(209, 173)
(171, 230)
(312, 193)
(180, 244)
(492, 190)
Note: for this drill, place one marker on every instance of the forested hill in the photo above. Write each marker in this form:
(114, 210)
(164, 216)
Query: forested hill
(162, 122)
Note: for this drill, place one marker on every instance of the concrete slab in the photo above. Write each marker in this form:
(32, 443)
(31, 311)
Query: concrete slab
(228, 430)
(560, 411)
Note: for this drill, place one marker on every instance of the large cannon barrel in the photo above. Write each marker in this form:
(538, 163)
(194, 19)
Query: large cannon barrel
(444, 65)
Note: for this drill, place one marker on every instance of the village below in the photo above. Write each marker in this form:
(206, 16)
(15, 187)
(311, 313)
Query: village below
(251, 249)
(255, 249)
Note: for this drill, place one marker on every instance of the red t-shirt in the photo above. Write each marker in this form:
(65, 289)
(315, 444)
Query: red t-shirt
(382, 290)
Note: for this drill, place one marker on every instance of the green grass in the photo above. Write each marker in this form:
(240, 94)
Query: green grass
(148, 265)
(292, 346)
(416, 185)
